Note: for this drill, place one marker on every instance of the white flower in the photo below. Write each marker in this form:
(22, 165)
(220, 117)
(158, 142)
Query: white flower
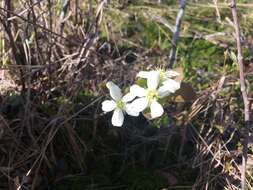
(118, 104)
(149, 97)
(164, 74)
(165, 80)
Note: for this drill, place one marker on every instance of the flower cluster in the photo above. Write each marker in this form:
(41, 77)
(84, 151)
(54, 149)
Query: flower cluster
(159, 85)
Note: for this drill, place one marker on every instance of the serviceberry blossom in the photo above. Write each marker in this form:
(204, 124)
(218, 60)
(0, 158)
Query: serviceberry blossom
(119, 104)
(149, 97)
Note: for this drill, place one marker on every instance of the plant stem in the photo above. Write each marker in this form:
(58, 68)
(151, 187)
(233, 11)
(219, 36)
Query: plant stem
(244, 94)
(175, 37)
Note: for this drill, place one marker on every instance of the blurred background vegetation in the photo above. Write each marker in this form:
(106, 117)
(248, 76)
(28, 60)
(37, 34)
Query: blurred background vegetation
(56, 57)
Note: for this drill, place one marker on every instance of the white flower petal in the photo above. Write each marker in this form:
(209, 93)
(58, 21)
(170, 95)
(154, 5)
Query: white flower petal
(171, 85)
(138, 91)
(117, 118)
(108, 105)
(156, 109)
(170, 73)
(115, 91)
(153, 80)
(163, 91)
(130, 110)
(139, 104)
(128, 97)
(143, 74)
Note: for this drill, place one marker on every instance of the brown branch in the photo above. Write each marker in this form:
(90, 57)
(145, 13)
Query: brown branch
(244, 94)
(63, 13)
(175, 37)
(3, 10)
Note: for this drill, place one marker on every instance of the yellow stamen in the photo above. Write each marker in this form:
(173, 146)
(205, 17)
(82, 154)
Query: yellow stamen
(152, 95)
(121, 104)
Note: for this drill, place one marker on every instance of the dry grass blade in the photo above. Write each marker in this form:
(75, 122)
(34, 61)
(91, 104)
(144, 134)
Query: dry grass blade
(247, 116)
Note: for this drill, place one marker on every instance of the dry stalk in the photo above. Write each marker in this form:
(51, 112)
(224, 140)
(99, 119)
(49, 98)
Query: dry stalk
(244, 94)
(217, 11)
(175, 37)
(45, 29)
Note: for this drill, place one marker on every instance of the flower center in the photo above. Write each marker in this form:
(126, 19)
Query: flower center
(162, 74)
(120, 104)
(152, 95)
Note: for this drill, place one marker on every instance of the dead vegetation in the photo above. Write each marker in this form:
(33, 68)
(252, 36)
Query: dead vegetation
(55, 59)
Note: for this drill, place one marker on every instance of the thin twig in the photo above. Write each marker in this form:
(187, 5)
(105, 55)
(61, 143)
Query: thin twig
(217, 11)
(175, 37)
(63, 13)
(244, 94)
(2, 11)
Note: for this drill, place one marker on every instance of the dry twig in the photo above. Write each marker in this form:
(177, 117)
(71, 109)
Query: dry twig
(176, 32)
(244, 93)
